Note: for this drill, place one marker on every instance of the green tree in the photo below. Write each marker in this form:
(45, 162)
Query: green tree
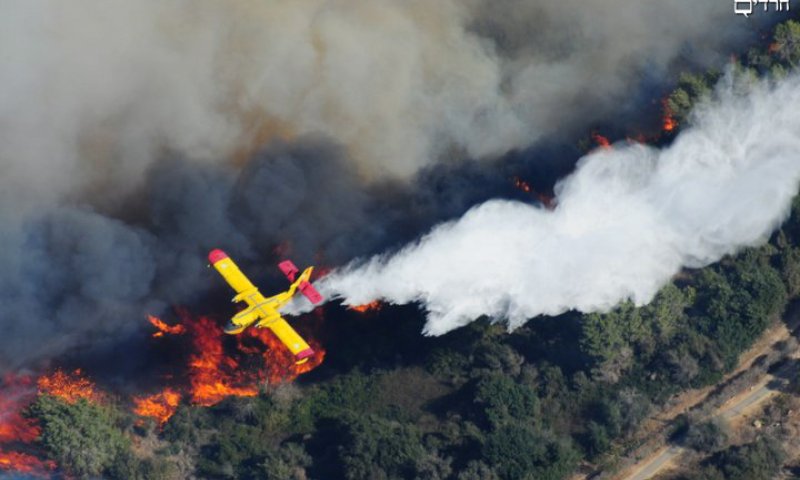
(789, 261)
(351, 392)
(520, 453)
(289, 462)
(373, 447)
(736, 301)
(691, 89)
(476, 470)
(597, 438)
(85, 439)
(708, 436)
(787, 42)
(760, 460)
(501, 400)
(184, 428)
(605, 335)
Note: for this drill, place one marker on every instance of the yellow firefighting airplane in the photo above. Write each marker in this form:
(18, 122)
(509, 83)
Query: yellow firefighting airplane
(265, 310)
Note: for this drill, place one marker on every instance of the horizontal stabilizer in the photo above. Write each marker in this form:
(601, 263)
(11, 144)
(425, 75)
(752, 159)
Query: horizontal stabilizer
(310, 292)
(289, 269)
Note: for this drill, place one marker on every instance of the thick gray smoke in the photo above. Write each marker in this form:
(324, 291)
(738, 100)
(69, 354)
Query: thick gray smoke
(93, 91)
(627, 220)
(132, 134)
(73, 276)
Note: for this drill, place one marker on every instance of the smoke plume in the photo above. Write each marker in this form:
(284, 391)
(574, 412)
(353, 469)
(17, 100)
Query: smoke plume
(95, 91)
(135, 136)
(627, 220)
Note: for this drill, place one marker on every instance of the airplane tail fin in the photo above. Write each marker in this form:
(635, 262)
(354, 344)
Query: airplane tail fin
(302, 282)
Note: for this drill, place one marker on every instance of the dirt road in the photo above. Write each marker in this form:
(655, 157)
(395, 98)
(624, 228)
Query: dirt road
(734, 411)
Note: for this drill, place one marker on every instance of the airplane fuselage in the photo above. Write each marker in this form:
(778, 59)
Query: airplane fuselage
(260, 309)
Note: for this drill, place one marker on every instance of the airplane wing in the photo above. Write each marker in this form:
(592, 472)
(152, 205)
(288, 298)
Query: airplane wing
(230, 272)
(293, 341)
(266, 309)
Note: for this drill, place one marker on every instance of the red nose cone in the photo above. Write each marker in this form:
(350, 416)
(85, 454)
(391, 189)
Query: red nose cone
(216, 255)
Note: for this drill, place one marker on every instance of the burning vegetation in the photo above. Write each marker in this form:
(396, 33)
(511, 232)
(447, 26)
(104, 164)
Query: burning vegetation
(489, 391)
(159, 406)
(367, 307)
(69, 387)
(26, 463)
(668, 122)
(218, 366)
(600, 140)
(17, 391)
(215, 372)
(163, 328)
(17, 433)
(522, 185)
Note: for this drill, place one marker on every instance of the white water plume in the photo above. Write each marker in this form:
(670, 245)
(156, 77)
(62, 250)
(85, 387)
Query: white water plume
(627, 220)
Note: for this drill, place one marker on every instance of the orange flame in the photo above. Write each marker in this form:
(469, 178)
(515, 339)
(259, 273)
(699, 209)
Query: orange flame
(600, 140)
(16, 392)
(164, 328)
(668, 122)
(373, 306)
(213, 375)
(216, 372)
(279, 363)
(522, 185)
(24, 463)
(547, 200)
(69, 387)
(160, 406)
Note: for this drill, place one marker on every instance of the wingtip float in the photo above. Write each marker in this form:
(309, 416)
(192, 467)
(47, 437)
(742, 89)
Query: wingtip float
(264, 310)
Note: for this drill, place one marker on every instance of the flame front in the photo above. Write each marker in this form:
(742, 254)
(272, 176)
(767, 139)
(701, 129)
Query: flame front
(522, 185)
(279, 363)
(17, 431)
(668, 122)
(16, 393)
(24, 463)
(600, 140)
(368, 307)
(164, 328)
(213, 375)
(69, 387)
(215, 372)
(160, 406)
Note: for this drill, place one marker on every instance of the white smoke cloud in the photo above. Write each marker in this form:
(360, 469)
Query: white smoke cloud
(627, 220)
